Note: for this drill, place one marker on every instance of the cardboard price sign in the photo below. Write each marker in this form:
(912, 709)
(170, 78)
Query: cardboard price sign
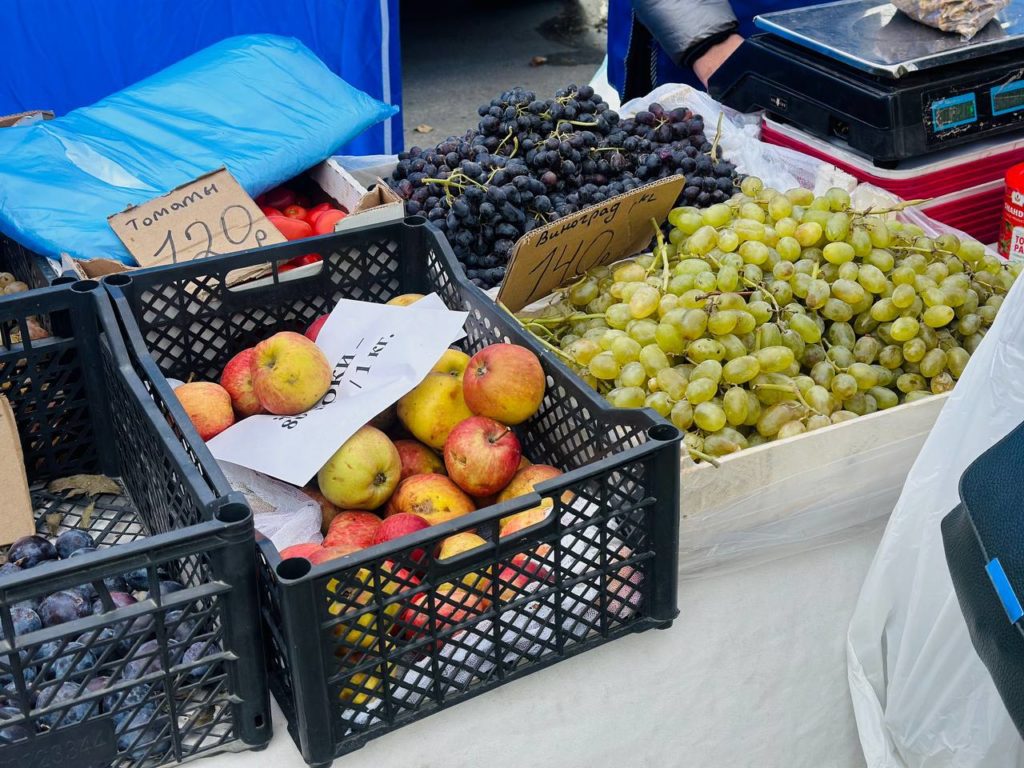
(555, 254)
(210, 216)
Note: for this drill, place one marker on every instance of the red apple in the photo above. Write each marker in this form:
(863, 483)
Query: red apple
(453, 605)
(331, 553)
(314, 328)
(418, 459)
(482, 456)
(208, 407)
(352, 528)
(300, 550)
(504, 382)
(513, 578)
(289, 373)
(435, 498)
(236, 378)
(399, 525)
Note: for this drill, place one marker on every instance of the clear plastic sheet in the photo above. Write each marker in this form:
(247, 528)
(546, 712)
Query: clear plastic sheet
(281, 512)
(922, 697)
(965, 17)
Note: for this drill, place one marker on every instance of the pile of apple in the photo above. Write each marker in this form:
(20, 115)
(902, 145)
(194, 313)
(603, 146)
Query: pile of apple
(454, 449)
(295, 217)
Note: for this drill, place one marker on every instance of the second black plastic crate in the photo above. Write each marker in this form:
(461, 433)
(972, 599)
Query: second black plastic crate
(30, 268)
(149, 653)
(366, 643)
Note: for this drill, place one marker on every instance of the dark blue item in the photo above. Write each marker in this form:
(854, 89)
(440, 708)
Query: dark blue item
(663, 69)
(65, 54)
(262, 105)
(984, 543)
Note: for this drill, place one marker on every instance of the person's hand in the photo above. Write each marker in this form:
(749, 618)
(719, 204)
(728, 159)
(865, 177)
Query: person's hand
(714, 57)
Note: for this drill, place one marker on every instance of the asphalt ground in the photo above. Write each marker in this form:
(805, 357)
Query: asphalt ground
(459, 54)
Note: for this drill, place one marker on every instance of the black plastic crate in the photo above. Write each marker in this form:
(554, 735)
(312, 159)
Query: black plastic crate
(367, 643)
(116, 687)
(32, 269)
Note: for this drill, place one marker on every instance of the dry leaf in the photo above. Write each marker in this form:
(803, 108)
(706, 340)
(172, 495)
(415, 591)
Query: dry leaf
(423, 128)
(538, 61)
(86, 520)
(53, 521)
(84, 485)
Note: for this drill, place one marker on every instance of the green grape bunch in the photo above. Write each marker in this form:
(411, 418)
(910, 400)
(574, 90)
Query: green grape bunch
(774, 314)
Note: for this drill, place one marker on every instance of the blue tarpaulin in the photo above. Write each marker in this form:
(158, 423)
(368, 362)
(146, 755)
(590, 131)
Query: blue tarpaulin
(241, 103)
(65, 54)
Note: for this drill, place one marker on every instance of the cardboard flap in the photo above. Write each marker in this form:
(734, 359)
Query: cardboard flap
(209, 216)
(16, 518)
(555, 254)
(25, 118)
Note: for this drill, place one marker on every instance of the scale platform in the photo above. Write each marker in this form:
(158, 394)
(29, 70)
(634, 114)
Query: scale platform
(888, 87)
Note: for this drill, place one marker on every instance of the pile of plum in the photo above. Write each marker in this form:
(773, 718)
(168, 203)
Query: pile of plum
(60, 672)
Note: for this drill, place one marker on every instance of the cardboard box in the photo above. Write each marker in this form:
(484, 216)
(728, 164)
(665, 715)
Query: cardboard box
(25, 118)
(807, 491)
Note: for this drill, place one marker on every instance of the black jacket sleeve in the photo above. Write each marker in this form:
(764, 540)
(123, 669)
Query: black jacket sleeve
(686, 28)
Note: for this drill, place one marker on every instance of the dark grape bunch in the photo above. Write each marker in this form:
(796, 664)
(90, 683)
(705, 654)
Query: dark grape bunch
(531, 161)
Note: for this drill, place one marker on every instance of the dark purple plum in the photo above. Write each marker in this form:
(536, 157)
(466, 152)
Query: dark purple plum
(25, 620)
(65, 694)
(8, 568)
(198, 651)
(29, 551)
(119, 598)
(127, 699)
(138, 579)
(15, 731)
(170, 586)
(75, 659)
(145, 661)
(143, 733)
(62, 607)
(73, 540)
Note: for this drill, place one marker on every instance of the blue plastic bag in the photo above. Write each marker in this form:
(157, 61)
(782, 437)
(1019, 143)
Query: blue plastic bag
(263, 106)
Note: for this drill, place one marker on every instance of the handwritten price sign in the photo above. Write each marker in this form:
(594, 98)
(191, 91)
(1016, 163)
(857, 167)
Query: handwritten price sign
(207, 217)
(555, 254)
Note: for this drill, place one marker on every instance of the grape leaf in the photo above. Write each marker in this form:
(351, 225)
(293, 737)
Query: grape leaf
(84, 485)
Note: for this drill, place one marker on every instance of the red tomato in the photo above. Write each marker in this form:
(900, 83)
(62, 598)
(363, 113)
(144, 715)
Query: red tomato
(302, 200)
(286, 267)
(315, 211)
(309, 258)
(270, 211)
(292, 229)
(325, 221)
(295, 212)
(279, 197)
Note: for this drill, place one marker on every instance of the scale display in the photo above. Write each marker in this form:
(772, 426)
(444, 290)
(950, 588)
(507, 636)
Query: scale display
(1007, 98)
(954, 112)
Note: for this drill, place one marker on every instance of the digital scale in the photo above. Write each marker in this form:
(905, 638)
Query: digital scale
(864, 75)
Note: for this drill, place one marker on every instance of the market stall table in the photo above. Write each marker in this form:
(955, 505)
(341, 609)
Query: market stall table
(752, 673)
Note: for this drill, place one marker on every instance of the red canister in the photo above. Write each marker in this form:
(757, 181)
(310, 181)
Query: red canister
(1011, 235)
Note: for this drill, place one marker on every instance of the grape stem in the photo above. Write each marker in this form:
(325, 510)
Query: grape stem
(694, 453)
(718, 138)
(663, 250)
(544, 343)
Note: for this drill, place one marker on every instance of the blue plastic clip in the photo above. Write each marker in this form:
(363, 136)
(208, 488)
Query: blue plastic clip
(1009, 599)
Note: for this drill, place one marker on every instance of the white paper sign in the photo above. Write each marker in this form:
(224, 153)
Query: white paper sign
(380, 353)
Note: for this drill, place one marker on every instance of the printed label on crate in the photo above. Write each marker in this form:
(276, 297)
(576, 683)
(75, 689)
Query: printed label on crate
(210, 216)
(555, 254)
(379, 353)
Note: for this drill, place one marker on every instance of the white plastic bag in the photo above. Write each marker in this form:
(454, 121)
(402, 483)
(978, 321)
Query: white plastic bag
(281, 512)
(921, 695)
